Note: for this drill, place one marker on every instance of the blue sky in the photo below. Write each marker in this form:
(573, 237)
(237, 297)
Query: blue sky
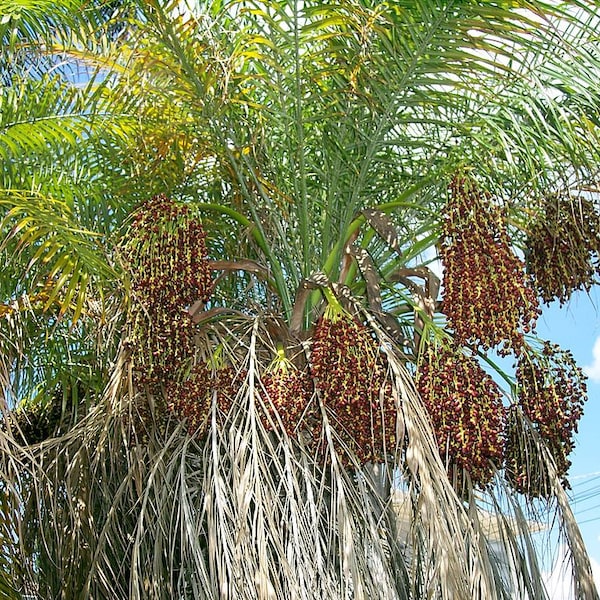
(576, 327)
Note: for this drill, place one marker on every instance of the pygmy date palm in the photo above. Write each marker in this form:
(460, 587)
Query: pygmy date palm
(259, 261)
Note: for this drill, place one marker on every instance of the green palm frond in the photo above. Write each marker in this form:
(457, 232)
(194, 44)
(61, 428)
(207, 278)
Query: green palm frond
(42, 235)
(303, 130)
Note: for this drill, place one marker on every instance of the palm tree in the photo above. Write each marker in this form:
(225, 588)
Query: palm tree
(227, 367)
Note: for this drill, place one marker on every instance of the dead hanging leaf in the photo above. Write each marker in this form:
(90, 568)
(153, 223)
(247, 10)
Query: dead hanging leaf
(247, 265)
(384, 227)
(303, 293)
(200, 316)
(428, 292)
(425, 295)
(370, 274)
(347, 257)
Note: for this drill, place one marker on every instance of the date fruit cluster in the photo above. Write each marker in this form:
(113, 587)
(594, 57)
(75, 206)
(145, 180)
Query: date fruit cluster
(38, 422)
(289, 391)
(226, 382)
(165, 254)
(563, 247)
(466, 411)
(350, 375)
(552, 392)
(486, 297)
(190, 400)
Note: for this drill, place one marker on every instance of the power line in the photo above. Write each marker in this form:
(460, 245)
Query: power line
(586, 478)
(589, 520)
(586, 495)
(580, 512)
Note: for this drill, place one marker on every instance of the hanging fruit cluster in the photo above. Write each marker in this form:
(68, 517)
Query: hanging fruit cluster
(165, 254)
(552, 392)
(226, 382)
(486, 297)
(190, 400)
(525, 467)
(466, 411)
(563, 247)
(289, 391)
(350, 374)
(43, 418)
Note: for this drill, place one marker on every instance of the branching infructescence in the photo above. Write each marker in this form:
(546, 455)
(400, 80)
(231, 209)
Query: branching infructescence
(486, 297)
(350, 374)
(289, 391)
(466, 411)
(563, 247)
(165, 255)
(552, 391)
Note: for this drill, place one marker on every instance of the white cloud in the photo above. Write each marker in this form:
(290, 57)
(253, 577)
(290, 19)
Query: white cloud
(593, 370)
(558, 582)
(596, 571)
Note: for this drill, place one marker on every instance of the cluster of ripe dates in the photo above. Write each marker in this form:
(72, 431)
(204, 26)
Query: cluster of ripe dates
(165, 255)
(490, 301)
(487, 299)
(477, 435)
(563, 247)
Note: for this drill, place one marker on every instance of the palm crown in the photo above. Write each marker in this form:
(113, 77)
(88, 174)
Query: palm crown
(232, 364)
